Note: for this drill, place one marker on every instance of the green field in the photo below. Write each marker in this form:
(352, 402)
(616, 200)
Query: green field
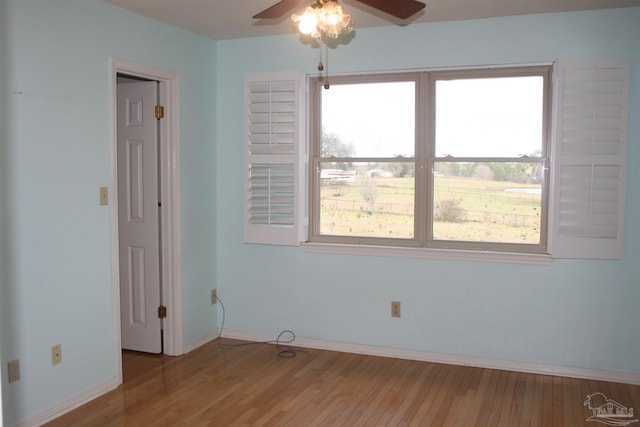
(465, 209)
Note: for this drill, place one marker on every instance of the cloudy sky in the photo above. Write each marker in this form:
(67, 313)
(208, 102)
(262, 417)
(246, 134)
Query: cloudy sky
(481, 117)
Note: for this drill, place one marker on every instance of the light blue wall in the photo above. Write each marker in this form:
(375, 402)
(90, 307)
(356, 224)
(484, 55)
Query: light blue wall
(55, 268)
(574, 313)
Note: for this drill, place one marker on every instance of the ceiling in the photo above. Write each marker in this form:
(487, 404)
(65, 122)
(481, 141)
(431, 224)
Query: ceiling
(229, 19)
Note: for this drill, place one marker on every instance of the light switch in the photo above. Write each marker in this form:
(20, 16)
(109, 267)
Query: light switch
(104, 196)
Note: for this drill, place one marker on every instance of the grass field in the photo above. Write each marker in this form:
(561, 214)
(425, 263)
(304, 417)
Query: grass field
(465, 209)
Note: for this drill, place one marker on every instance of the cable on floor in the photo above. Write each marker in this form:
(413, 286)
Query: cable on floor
(285, 353)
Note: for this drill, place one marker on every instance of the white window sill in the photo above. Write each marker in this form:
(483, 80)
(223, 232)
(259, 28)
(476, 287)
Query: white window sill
(423, 253)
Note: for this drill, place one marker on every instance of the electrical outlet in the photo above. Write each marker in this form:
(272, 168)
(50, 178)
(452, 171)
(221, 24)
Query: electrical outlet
(395, 308)
(104, 196)
(214, 296)
(56, 354)
(14, 370)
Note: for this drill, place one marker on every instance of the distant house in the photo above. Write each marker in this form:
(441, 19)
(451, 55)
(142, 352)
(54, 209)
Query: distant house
(335, 176)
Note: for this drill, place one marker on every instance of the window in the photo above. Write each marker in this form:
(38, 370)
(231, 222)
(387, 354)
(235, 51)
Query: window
(452, 160)
(492, 164)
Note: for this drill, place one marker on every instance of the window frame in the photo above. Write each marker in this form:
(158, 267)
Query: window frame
(315, 147)
(424, 159)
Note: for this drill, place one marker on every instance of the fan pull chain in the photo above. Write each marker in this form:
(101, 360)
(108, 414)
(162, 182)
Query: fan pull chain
(326, 70)
(320, 66)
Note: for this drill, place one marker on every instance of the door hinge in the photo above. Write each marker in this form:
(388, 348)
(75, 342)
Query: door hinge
(162, 312)
(159, 112)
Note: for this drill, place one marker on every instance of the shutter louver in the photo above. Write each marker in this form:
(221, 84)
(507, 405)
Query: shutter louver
(273, 131)
(589, 159)
(272, 117)
(271, 194)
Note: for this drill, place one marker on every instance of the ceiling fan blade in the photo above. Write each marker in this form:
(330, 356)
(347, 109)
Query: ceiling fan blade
(402, 9)
(277, 10)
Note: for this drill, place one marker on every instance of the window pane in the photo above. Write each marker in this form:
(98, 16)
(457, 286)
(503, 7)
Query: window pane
(487, 202)
(369, 120)
(362, 200)
(489, 117)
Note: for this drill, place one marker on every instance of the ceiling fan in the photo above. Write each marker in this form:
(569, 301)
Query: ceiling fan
(402, 9)
(326, 19)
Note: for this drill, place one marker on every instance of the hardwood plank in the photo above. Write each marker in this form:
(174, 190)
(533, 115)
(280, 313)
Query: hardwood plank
(557, 399)
(446, 414)
(406, 411)
(474, 402)
(252, 386)
(506, 402)
(518, 401)
(421, 417)
(486, 400)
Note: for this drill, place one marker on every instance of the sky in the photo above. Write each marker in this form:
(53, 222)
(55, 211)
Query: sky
(377, 118)
(491, 117)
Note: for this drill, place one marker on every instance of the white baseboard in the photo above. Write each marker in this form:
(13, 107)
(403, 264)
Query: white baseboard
(69, 405)
(425, 356)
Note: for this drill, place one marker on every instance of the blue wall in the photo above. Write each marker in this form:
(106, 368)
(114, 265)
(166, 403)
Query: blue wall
(573, 313)
(55, 268)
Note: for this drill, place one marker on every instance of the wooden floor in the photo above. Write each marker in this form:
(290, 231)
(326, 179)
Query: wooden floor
(252, 386)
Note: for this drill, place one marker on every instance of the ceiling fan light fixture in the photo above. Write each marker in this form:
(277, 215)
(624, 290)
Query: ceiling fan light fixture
(321, 20)
(333, 20)
(308, 22)
(324, 18)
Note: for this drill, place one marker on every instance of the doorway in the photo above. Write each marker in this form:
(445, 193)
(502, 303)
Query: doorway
(168, 165)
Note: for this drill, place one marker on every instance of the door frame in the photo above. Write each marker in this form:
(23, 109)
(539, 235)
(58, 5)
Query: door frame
(170, 245)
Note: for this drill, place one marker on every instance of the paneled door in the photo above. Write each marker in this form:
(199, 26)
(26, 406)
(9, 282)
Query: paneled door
(138, 216)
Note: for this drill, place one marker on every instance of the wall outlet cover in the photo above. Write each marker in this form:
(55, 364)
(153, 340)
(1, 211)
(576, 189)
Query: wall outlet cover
(14, 370)
(56, 354)
(395, 308)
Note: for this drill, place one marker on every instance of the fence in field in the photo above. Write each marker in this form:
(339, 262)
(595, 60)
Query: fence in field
(514, 220)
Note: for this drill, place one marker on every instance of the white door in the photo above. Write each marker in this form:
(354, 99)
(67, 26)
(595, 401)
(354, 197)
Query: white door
(138, 220)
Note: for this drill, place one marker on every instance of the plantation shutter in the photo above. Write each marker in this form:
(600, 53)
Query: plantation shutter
(273, 131)
(589, 158)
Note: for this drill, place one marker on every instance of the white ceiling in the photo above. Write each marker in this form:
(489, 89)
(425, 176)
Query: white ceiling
(228, 19)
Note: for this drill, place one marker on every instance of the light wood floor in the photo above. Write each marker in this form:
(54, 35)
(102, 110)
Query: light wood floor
(252, 386)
